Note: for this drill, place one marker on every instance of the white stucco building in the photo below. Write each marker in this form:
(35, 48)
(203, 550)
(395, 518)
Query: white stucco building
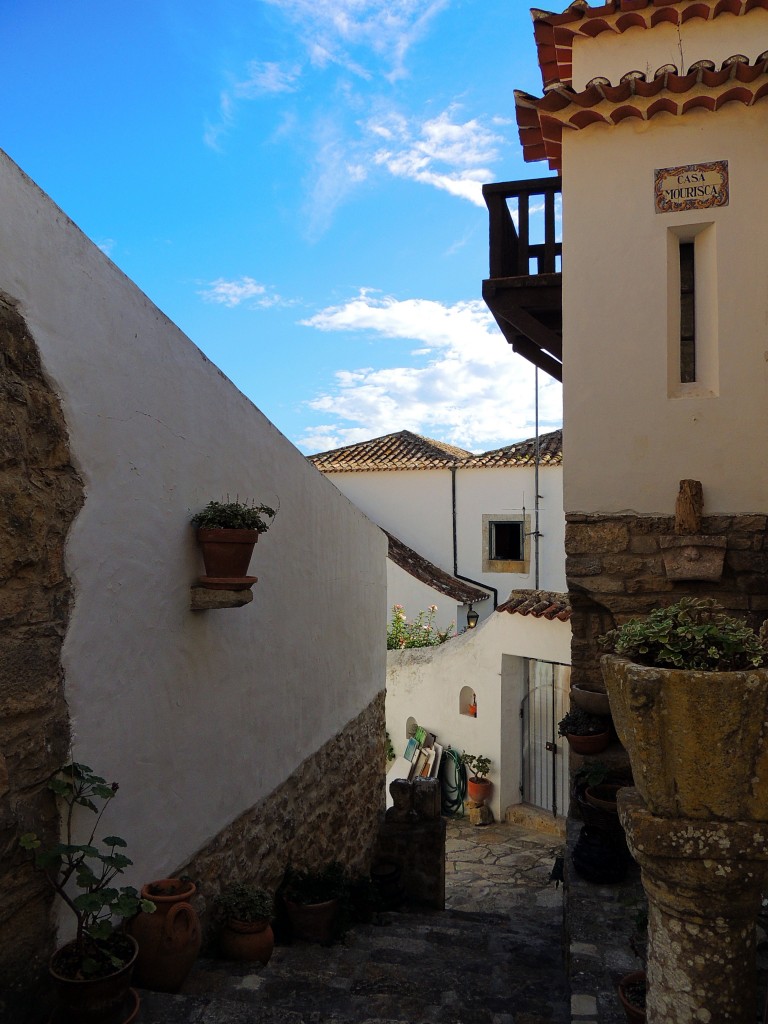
(481, 519)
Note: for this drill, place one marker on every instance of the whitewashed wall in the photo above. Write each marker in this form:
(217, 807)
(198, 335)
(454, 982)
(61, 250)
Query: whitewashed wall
(426, 683)
(414, 505)
(631, 435)
(482, 492)
(198, 715)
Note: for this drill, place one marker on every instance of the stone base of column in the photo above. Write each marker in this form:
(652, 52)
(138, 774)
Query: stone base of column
(704, 880)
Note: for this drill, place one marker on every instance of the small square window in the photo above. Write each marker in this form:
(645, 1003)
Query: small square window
(506, 542)
(504, 545)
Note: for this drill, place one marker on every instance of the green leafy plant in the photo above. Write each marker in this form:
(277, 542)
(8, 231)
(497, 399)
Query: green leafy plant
(305, 886)
(85, 866)
(694, 633)
(478, 765)
(245, 902)
(579, 722)
(234, 515)
(419, 632)
(391, 754)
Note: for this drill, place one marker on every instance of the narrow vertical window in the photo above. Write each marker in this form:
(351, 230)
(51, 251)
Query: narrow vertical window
(687, 313)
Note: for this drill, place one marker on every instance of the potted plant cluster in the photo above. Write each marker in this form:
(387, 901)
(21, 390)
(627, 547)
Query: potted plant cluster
(92, 973)
(246, 932)
(316, 901)
(227, 532)
(689, 695)
(478, 786)
(586, 733)
(600, 854)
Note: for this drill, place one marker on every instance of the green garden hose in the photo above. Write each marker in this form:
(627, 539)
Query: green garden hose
(453, 776)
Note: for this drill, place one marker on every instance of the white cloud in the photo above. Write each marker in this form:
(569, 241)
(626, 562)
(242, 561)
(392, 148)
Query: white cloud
(233, 293)
(267, 77)
(107, 246)
(451, 156)
(386, 28)
(464, 384)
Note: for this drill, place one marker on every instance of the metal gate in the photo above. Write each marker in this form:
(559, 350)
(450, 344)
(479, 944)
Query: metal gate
(544, 770)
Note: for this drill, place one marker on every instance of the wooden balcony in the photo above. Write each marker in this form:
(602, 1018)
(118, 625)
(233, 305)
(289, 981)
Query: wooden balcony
(524, 289)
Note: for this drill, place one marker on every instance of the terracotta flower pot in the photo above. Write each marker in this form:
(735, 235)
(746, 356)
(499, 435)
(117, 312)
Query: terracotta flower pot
(314, 922)
(95, 1000)
(479, 790)
(602, 796)
(169, 939)
(248, 941)
(593, 744)
(635, 1014)
(226, 555)
(593, 701)
(695, 739)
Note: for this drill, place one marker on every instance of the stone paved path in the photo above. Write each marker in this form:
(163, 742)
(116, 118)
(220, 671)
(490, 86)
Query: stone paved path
(493, 957)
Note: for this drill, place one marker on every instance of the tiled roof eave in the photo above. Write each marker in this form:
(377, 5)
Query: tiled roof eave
(427, 572)
(541, 120)
(541, 604)
(554, 33)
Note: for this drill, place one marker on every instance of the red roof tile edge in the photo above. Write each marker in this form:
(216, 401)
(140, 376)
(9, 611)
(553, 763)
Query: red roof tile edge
(541, 120)
(424, 571)
(542, 604)
(554, 32)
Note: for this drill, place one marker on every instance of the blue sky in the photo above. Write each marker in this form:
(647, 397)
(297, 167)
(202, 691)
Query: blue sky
(296, 184)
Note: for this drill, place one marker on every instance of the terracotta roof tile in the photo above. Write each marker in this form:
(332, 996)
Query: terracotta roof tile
(405, 450)
(554, 33)
(424, 571)
(523, 453)
(542, 604)
(541, 120)
(402, 450)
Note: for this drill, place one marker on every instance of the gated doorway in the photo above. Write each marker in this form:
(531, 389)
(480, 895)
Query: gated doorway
(544, 769)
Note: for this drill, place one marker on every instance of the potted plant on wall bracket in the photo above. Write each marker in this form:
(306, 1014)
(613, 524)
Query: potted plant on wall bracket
(586, 733)
(227, 532)
(92, 973)
(478, 785)
(689, 694)
(246, 932)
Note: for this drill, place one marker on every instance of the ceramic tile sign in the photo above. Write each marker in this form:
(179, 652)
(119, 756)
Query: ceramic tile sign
(692, 187)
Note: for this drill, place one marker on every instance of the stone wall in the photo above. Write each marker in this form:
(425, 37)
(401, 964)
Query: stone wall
(615, 571)
(40, 495)
(329, 809)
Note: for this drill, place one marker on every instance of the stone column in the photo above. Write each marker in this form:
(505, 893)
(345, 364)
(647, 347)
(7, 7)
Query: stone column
(704, 881)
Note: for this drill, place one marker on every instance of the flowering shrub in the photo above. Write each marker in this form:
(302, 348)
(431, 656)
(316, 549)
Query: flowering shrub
(419, 632)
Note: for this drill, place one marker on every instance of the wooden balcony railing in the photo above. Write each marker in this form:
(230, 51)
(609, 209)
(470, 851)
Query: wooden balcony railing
(524, 290)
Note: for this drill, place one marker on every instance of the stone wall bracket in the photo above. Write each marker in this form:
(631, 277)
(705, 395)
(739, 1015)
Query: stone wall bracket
(693, 557)
(203, 599)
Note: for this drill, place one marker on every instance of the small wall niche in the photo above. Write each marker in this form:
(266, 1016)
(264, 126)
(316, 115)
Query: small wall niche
(468, 702)
(411, 725)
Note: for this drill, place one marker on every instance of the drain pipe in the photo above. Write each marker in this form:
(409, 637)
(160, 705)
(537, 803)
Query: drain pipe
(536, 459)
(456, 573)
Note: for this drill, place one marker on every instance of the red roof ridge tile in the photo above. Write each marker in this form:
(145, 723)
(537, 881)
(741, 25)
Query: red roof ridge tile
(554, 33)
(541, 120)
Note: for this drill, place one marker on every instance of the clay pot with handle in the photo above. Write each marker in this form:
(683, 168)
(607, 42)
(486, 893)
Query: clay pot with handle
(169, 940)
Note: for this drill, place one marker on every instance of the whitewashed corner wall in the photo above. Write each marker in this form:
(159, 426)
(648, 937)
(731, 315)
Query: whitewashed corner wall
(426, 683)
(198, 715)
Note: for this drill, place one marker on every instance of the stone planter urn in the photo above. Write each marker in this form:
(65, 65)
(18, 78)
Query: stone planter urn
(697, 741)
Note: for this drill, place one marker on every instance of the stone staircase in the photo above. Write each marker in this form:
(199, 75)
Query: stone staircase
(454, 967)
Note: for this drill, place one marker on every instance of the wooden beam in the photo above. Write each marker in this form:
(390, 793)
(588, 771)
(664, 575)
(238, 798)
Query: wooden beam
(689, 507)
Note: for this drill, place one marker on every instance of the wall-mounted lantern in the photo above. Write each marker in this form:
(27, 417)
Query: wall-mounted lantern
(472, 618)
